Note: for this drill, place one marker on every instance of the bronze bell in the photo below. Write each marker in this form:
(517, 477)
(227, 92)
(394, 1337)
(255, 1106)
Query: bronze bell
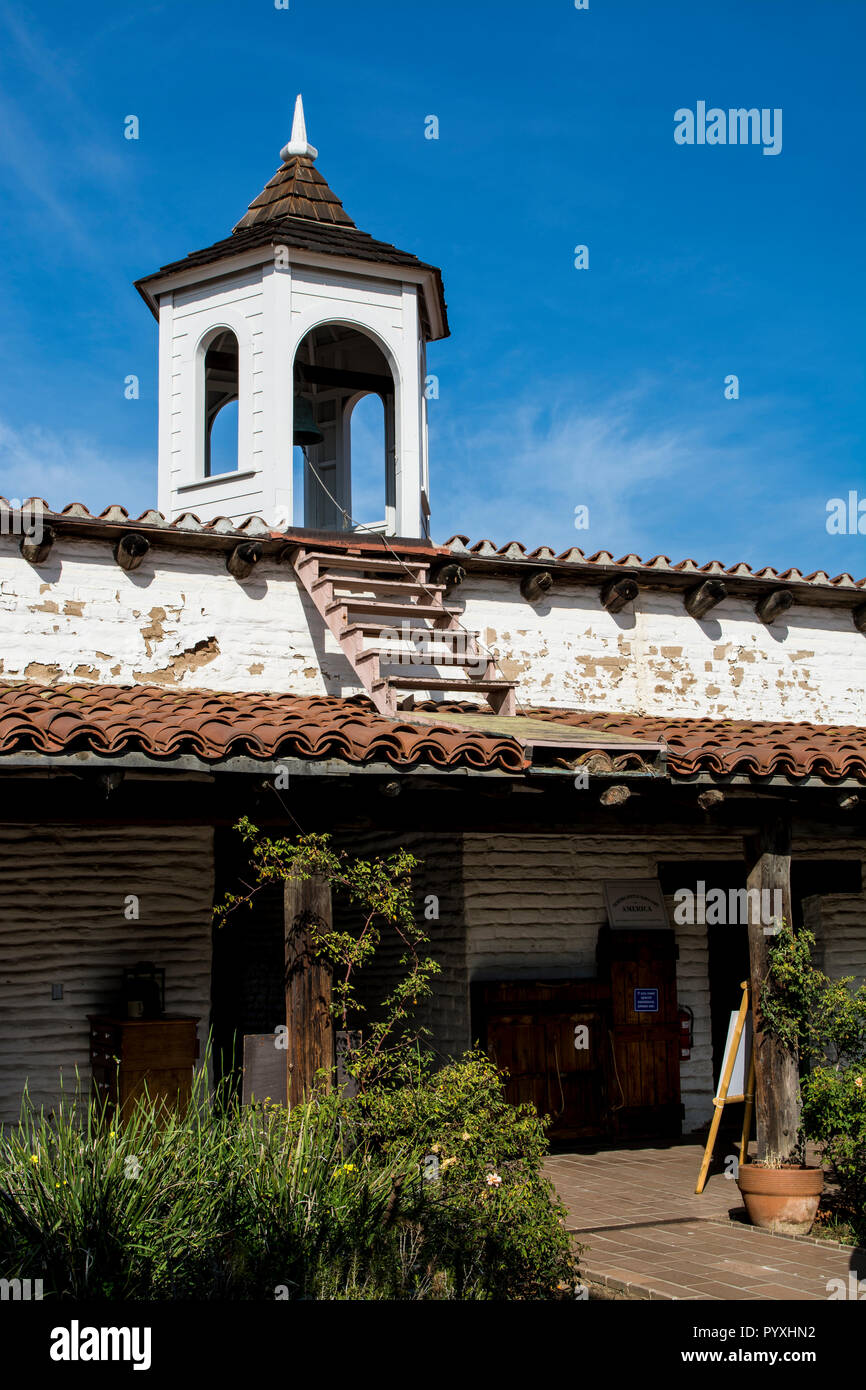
(306, 431)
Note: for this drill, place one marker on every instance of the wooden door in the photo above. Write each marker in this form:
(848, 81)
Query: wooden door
(555, 1057)
(646, 1046)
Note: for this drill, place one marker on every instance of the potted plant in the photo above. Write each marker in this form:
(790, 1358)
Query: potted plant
(822, 1023)
(781, 1195)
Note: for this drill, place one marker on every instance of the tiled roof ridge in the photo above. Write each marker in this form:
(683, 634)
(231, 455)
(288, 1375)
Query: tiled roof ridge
(254, 526)
(515, 550)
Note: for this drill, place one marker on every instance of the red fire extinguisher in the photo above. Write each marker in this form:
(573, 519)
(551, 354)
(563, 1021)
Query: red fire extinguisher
(686, 1021)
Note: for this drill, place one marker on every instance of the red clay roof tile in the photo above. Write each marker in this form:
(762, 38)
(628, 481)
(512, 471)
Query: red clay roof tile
(760, 748)
(215, 725)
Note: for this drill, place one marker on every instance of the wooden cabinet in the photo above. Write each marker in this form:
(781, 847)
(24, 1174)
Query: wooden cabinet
(552, 1039)
(128, 1055)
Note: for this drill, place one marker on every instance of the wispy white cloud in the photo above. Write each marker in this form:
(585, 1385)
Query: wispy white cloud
(63, 468)
(716, 485)
(56, 161)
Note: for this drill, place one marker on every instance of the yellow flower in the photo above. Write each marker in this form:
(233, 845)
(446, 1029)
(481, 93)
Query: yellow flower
(57, 1184)
(34, 1158)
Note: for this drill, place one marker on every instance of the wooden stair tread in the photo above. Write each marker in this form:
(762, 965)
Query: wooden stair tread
(383, 586)
(442, 683)
(355, 562)
(393, 609)
(441, 634)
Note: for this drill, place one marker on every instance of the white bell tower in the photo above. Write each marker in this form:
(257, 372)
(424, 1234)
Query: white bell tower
(267, 342)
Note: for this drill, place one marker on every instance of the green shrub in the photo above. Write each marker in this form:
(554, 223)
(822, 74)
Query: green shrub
(825, 1021)
(489, 1224)
(327, 1201)
(834, 1117)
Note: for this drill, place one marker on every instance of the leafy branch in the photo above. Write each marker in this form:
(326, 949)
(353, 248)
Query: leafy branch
(378, 894)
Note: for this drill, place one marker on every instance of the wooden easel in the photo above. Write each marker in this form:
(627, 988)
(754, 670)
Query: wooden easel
(723, 1099)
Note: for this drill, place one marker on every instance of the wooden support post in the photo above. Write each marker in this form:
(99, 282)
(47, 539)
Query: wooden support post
(749, 1108)
(777, 1106)
(308, 987)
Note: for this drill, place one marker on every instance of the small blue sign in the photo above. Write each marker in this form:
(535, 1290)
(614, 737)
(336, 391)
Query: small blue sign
(646, 1001)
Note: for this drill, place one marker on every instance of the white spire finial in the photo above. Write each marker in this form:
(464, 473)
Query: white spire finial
(298, 143)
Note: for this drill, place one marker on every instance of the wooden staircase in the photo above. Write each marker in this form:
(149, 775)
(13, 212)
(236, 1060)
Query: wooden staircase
(383, 611)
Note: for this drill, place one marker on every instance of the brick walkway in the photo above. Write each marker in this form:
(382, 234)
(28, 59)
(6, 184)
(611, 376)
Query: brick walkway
(648, 1234)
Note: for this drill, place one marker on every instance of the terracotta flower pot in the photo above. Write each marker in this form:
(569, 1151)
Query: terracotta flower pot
(781, 1199)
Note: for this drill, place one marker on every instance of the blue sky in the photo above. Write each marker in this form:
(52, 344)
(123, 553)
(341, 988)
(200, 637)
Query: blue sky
(558, 387)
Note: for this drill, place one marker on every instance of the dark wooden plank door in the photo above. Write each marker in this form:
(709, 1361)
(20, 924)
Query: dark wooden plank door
(646, 1100)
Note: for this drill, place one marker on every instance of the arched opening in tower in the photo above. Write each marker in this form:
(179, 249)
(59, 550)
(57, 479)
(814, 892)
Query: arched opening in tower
(345, 423)
(221, 405)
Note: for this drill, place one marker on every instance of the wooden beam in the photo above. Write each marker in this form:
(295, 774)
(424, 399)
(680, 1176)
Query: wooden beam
(243, 559)
(615, 796)
(216, 360)
(337, 376)
(308, 987)
(131, 550)
(36, 548)
(618, 592)
(448, 573)
(774, 604)
(534, 586)
(777, 1107)
(700, 600)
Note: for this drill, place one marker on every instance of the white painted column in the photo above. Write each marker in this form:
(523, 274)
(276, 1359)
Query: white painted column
(165, 388)
(409, 425)
(278, 394)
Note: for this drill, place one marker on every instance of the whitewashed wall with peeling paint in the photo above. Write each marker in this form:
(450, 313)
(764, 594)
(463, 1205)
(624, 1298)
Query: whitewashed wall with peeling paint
(62, 894)
(182, 620)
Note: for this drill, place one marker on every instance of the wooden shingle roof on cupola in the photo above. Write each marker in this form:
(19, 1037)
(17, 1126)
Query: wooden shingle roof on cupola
(298, 209)
(297, 188)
